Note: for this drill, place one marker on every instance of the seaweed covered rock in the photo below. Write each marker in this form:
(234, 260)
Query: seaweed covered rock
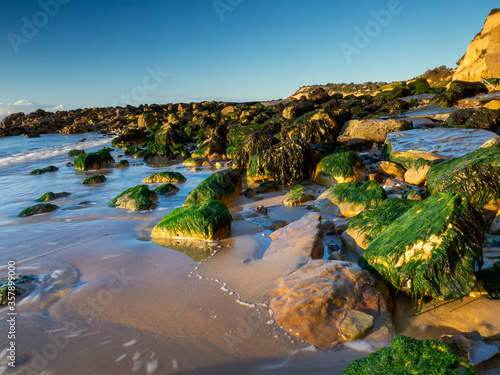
(164, 177)
(419, 86)
(408, 356)
(209, 147)
(313, 131)
(350, 198)
(167, 189)
(359, 132)
(15, 287)
(388, 169)
(432, 249)
(483, 118)
(329, 302)
(459, 90)
(224, 186)
(267, 187)
(133, 136)
(136, 198)
(288, 162)
(196, 162)
(50, 168)
(158, 153)
(40, 208)
(366, 226)
(121, 164)
(297, 195)
(74, 153)
(458, 118)
(97, 179)
(50, 196)
(206, 220)
(339, 168)
(476, 175)
(252, 145)
(489, 279)
(93, 160)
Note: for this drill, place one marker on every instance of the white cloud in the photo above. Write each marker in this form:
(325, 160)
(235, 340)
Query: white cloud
(26, 106)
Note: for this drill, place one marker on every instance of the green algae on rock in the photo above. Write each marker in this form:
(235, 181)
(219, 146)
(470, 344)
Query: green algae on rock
(157, 153)
(97, 179)
(206, 220)
(164, 177)
(338, 168)
(94, 160)
(50, 168)
(166, 189)
(476, 175)
(195, 162)
(297, 195)
(252, 145)
(136, 198)
(407, 356)
(7, 287)
(73, 153)
(224, 186)
(40, 208)
(50, 196)
(489, 279)
(121, 164)
(432, 249)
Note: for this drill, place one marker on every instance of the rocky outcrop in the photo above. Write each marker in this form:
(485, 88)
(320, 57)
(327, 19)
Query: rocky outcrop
(482, 59)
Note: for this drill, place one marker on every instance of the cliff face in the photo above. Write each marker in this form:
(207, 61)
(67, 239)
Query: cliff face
(482, 59)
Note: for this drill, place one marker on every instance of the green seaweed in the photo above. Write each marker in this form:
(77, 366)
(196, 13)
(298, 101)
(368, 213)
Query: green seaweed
(297, 195)
(50, 196)
(50, 168)
(223, 185)
(238, 135)
(342, 164)
(136, 198)
(408, 356)
(166, 189)
(432, 249)
(97, 179)
(367, 193)
(164, 177)
(72, 153)
(40, 208)
(93, 160)
(157, 152)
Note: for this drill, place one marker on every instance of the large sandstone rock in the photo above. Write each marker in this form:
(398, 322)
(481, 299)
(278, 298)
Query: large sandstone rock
(302, 238)
(339, 168)
(482, 59)
(329, 302)
(357, 132)
(388, 169)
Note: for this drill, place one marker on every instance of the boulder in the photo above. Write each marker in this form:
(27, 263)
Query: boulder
(133, 136)
(483, 118)
(206, 220)
(489, 279)
(40, 208)
(97, 179)
(297, 195)
(458, 118)
(329, 302)
(302, 238)
(407, 355)
(267, 187)
(417, 175)
(425, 252)
(136, 198)
(158, 153)
(167, 189)
(50, 196)
(267, 222)
(50, 168)
(313, 131)
(145, 120)
(419, 86)
(164, 177)
(388, 169)
(195, 162)
(339, 168)
(359, 132)
(94, 160)
(224, 186)
(121, 164)
(476, 175)
(350, 198)
(252, 145)
(74, 153)
(459, 90)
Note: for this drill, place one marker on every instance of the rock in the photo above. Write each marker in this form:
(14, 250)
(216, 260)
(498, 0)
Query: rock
(481, 60)
(208, 148)
(417, 175)
(339, 168)
(424, 251)
(297, 195)
(400, 92)
(206, 220)
(433, 145)
(430, 112)
(410, 356)
(366, 226)
(145, 120)
(50, 168)
(133, 136)
(40, 208)
(194, 162)
(396, 105)
(489, 279)
(121, 164)
(224, 186)
(164, 177)
(350, 198)
(158, 153)
(268, 222)
(50, 196)
(136, 198)
(267, 187)
(261, 209)
(296, 110)
(459, 90)
(94, 160)
(483, 118)
(415, 195)
(388, 169)
(359, 132)
(329, 302)
(167, 189)
(72, 153)
(419, 86)
(252, 145)
(97, 179)
(312, 131)
(491, 142)
(476, 175)
(289, 162)
(493, 104)
(302, 238)
(495, 225)
(227, 110)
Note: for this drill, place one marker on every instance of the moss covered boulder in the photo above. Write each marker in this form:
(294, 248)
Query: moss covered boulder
(297, 195)
(93, 160)
(50, 168)
(97, 179)
(164, 177)
(339, 168)
(122, 164)
(224, 186)
(136, 198)
(50, 196)
(432, 249)
(350, 198)
(196, 162)
(206, 220)
(38, 209)
(157, 153)
(476, 175)
(252, 145)
(366, 226)
(489, 279)
(408, 356)
(74, 153)
(130, 136)
(167, 189)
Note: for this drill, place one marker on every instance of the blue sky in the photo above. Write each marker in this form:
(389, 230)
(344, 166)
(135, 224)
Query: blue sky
(87, 53)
